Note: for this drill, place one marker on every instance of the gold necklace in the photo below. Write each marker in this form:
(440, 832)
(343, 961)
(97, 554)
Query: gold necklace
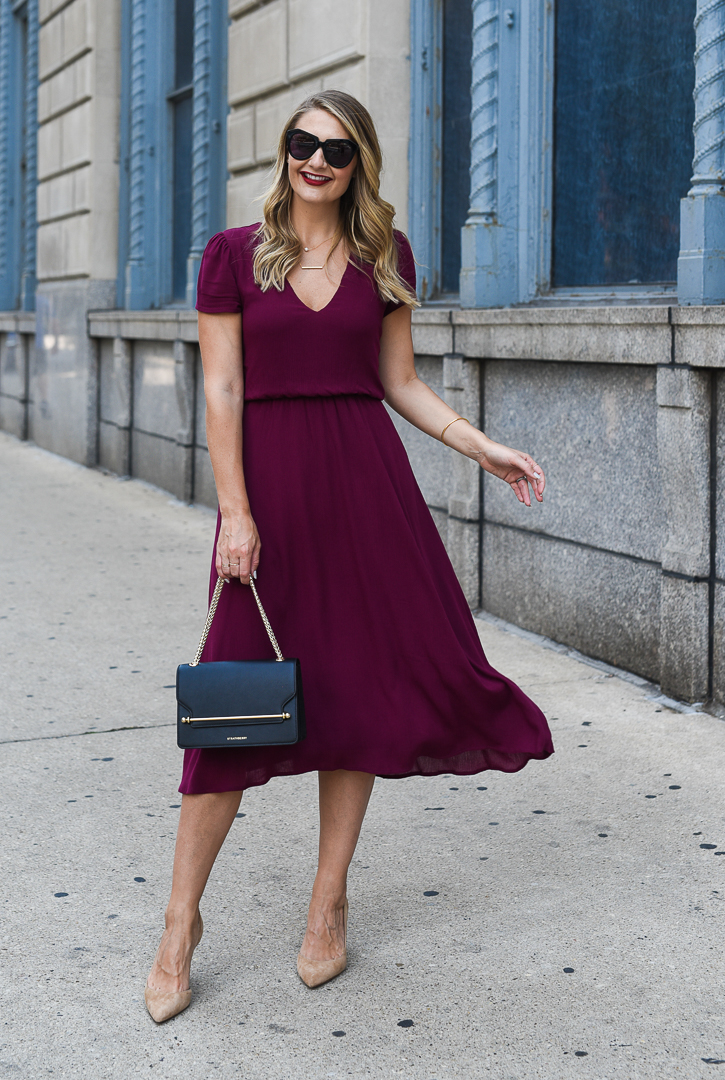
(314, 249)
(318, 245)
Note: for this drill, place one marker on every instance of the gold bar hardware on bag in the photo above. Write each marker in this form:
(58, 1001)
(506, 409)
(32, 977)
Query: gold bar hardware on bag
(259, 716)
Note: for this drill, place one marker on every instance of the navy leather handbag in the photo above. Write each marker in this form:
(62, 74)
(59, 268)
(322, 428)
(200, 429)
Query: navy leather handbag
(239, 703)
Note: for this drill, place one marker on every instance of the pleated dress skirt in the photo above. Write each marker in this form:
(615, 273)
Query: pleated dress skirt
(358, 585)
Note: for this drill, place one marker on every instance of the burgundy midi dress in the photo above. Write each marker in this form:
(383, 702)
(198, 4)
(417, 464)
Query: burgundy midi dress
(353, 574)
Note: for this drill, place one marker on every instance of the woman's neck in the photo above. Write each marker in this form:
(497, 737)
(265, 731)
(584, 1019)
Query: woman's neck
(314, 224)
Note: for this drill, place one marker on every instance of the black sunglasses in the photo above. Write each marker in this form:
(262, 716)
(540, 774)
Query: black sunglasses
(337, 152)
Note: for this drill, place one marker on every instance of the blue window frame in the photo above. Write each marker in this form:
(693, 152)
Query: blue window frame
(617, 77)
(173, 175)
(18, 152)
(623, 141)
(440, 140)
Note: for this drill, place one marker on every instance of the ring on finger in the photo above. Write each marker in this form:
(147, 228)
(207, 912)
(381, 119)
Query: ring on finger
(520, 479)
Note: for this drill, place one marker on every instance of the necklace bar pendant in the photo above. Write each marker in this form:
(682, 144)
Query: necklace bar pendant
(312, 268)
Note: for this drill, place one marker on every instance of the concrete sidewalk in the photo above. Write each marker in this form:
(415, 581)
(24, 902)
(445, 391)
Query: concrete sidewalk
(565, 921)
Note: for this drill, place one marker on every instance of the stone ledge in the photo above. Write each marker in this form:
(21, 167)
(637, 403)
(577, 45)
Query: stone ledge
(609, 335)
(432, 316)
(710, 315)
(604, 335)
(563, 316)
(17, 322)
(144, 325)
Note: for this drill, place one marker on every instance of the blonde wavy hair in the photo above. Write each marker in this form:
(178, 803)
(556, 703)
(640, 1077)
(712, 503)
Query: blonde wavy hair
(366, 220)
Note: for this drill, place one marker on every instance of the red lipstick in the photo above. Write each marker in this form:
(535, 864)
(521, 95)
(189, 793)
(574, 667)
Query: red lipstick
(318, 181)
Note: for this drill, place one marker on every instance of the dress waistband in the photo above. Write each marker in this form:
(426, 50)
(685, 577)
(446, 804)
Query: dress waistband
(312, 397)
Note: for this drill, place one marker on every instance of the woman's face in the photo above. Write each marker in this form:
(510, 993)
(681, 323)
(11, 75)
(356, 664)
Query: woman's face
(314, 181)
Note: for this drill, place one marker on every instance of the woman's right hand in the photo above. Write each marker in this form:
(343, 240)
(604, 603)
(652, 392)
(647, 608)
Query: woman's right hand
(237, 551)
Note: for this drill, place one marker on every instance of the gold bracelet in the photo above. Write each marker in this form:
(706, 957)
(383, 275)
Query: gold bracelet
(445, 429)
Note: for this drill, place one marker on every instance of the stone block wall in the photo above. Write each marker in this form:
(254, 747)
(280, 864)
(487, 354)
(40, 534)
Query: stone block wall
(283, 50)
(151, 401)
(78, 93)
(625, 410)
(78, 181)
(594, 545)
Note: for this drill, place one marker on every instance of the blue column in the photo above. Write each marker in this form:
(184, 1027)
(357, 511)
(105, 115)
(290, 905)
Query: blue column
(701, 265)
(201, 139)
(8, 152)
(135, 267)
(488, 243)
(28, 280)
(208, 167)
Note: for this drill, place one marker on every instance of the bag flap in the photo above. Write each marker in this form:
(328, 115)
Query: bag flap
(237, 687)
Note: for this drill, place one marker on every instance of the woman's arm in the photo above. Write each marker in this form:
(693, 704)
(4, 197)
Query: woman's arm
(220, 341)
(417, 403)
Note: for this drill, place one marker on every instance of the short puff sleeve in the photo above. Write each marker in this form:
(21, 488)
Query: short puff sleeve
(217, 290)
(406, 269)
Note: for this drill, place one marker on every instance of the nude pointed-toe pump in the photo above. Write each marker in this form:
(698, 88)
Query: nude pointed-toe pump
(316, 972)
(162, 1005)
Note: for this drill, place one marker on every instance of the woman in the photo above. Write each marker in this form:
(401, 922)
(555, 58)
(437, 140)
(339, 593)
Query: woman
(304, 328)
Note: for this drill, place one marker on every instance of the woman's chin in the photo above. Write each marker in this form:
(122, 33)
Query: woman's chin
(311, 193)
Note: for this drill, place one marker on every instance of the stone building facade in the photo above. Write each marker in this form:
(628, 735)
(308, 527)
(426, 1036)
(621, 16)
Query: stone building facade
(570, 265)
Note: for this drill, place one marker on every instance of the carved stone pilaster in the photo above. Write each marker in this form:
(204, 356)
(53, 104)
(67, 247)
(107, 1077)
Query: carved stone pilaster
(487, 266)
(201, 144)
(29, 195)
(6, 284)
(135, 268)
(484, 112)
(701, 266)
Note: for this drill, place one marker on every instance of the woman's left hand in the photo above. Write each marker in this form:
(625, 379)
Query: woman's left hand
(516, 469)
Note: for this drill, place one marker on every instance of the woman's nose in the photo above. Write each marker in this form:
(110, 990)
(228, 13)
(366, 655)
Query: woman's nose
(317, 161)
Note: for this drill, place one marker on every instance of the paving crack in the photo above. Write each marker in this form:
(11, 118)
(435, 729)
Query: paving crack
(93, 731)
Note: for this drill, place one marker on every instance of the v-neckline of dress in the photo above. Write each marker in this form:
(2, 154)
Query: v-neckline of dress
(318, 311)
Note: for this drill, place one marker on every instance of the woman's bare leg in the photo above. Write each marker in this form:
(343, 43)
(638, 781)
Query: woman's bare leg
(204, 822)
(344, 798)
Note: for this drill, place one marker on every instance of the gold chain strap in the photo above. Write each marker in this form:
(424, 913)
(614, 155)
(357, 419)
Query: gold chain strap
(265, 620)
(212, 610)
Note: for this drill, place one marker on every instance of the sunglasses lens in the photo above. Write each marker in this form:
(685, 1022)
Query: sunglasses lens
(339, 153)
(302, 146)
